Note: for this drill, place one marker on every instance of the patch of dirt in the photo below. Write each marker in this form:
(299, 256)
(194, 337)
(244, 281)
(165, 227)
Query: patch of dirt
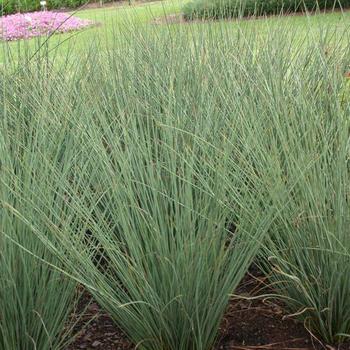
(259, 323)
(94, 328)
(171, 19)
(249, 324)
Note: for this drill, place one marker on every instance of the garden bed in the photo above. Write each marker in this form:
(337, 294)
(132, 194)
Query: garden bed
(248, 324)
(34, 24)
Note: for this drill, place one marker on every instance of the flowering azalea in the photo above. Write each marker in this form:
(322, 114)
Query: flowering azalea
(28, 25)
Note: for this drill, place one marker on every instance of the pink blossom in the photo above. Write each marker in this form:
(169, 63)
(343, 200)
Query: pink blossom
(28, 25)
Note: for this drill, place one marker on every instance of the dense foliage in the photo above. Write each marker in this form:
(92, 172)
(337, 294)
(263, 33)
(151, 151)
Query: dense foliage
(153, 173)
(36, 298)
(13, 6)
(215, 9)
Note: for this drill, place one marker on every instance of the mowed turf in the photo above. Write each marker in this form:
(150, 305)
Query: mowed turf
(109, 18)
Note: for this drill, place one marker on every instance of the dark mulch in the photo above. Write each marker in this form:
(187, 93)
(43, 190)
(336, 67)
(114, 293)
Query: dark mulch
(247, 325)
(94, 329)
(260, 323)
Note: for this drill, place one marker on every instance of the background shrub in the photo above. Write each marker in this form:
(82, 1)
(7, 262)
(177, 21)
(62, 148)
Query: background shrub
(13, 6)
(215, 9)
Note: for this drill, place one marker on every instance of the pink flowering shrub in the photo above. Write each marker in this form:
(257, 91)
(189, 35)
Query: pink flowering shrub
(28, 25)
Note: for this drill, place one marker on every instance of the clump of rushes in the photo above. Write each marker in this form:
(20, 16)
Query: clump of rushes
(158, 257)
(169, 262)
(194, 142)
(36, 299)
(297, 135)
(308, 251)
(157, 253)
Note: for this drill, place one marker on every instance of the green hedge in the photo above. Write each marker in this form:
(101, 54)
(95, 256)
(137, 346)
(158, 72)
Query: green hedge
(215, 9)
(13, 6)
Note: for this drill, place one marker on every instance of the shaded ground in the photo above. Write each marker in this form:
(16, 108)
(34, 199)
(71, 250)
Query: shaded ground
(247, 325)
(260, 324)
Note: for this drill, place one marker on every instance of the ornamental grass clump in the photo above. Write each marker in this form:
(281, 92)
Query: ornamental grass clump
(36, 298)
(297, 137)
(178, 153)
(308, 251)
(151, 239)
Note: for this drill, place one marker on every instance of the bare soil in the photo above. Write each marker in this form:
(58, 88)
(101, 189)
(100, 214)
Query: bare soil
(249, 324)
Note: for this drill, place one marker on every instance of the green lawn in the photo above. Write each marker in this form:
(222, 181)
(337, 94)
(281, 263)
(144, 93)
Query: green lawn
(109, 18)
